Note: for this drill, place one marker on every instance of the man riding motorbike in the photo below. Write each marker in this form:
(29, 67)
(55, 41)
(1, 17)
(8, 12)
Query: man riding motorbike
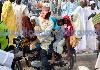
(43, 32)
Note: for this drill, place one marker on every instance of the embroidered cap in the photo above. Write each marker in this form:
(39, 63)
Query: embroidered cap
(96, 19)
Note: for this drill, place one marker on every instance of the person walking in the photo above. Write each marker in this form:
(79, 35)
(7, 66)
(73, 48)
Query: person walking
(79, 23)
(96, 22)
(91, 36)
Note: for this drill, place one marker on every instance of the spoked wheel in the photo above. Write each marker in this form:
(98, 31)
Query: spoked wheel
(65, 63)
(18, 66)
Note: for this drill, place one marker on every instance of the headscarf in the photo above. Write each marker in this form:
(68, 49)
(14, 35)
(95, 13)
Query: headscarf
(67, 17)
(69, 25)
(96, 19)
(26, 25)
(26, 22)
(54, 20)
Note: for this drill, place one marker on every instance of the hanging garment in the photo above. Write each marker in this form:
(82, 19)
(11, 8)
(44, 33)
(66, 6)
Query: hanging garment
(8, 17)
(19, 11)
(3, 35)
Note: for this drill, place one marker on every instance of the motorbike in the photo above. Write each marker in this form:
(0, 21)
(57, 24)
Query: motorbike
(33, 59)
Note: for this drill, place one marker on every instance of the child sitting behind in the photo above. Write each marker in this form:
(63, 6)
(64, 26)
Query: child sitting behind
(70, 39)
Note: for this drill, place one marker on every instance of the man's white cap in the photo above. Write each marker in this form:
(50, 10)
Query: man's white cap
(92, 2)
(46, 5)
(35, 18)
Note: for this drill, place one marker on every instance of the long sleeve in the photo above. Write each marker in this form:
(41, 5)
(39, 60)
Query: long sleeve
(47, 31)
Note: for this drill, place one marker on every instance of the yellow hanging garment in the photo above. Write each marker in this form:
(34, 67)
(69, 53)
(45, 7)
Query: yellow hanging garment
(8, 17)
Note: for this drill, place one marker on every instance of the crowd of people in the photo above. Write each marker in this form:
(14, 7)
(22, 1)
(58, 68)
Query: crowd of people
(72, 22)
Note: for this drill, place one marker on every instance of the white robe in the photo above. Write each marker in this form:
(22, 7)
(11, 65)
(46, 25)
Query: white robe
(4, 68)
(6, 60)
(82, 12)
(91, 38)
(20, 11)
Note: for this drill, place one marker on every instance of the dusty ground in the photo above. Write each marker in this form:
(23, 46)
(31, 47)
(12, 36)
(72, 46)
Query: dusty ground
(87, 60)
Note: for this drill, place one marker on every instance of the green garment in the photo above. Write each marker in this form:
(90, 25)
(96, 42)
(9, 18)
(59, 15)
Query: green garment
(78, 3)
(3, 35)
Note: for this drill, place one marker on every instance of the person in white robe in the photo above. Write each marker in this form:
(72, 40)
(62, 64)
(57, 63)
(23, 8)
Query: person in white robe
(91, 36)
(96, 22)
(20, 10)
(79, 15)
